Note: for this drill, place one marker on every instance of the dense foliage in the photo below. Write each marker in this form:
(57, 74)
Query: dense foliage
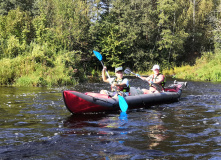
(43, 41)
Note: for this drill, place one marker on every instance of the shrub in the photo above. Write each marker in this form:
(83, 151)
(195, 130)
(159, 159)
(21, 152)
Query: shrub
(24, 81)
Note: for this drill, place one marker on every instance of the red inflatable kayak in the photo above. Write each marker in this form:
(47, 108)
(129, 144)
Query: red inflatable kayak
(77, 102)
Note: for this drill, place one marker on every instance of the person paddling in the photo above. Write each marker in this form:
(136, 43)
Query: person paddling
(156, 78)
(119, 84)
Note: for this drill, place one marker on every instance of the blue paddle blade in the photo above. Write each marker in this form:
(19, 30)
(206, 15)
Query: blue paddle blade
(98, 55)
(122, 103)
(123, 116)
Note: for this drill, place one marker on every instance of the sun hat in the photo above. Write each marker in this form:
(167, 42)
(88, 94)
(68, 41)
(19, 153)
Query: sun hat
(156, 67)
(118, 69)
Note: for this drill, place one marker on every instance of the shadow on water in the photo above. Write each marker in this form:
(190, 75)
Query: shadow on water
(36, 125)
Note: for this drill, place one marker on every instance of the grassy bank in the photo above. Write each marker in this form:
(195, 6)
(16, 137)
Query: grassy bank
(207, 68)
(37, 70)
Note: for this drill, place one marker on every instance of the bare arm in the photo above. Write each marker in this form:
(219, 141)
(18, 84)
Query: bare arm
(145, 78)
(103, 75)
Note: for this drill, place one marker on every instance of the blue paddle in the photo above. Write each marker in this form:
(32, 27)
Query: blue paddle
(122, 102)
(99, 57)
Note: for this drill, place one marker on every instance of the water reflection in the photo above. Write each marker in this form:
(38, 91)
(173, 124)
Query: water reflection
(156, 131)
(83, 120)
(100, 123)
(122, 124)
(120, 130)
(76, 122)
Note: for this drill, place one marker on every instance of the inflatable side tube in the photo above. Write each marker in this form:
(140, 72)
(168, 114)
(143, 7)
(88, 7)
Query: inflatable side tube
(77, 102)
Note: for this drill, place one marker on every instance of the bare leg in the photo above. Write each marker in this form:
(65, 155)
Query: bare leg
(103, 92)
(151, 90)
(146, 91)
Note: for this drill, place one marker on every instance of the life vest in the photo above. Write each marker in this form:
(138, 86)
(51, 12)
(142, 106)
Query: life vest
(120, 88)
(155, 78)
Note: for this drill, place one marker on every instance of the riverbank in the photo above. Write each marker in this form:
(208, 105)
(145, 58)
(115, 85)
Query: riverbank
(206, 68)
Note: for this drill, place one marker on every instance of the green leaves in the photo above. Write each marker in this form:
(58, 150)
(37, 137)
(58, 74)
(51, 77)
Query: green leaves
(111, 45)
(16, 32)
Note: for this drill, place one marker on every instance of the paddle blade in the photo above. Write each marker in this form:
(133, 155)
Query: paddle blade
(122, 103)
(127, 71)
(98, 55)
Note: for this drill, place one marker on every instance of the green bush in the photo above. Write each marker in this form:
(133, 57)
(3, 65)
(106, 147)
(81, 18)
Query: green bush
(24, 81)
(13, 47)
(25, 71)
(7, 73)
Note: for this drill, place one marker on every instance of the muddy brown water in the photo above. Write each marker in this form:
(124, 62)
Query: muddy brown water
(35, 124)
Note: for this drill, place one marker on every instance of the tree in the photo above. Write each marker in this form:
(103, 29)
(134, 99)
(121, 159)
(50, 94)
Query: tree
(134, 28)
(198, 27)
(172, 33)
(110, 43)
(63, 24)
(215, 18)
(7, 5)
(16, 32)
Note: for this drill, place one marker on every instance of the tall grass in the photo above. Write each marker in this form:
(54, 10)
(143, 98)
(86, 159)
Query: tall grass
(206, 68)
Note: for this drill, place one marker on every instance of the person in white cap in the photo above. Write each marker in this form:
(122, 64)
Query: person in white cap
(119, 84)
(156, 78)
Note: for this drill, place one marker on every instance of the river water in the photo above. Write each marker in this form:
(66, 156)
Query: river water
(35, 124)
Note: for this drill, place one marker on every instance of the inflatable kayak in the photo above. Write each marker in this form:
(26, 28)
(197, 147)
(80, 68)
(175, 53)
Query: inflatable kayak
(77, 102)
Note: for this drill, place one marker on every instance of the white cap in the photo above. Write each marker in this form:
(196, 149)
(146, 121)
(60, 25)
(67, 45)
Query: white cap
(156, 67)
(118, 69)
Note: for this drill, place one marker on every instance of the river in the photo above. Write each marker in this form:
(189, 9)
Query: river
(35, 124)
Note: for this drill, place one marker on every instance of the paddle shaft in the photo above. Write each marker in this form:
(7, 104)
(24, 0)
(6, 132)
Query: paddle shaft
(155, 85)
(140, 77)
(106, 72)
(99, 57)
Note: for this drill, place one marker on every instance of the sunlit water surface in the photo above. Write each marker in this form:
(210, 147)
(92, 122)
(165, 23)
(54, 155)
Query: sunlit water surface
(35, 124)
